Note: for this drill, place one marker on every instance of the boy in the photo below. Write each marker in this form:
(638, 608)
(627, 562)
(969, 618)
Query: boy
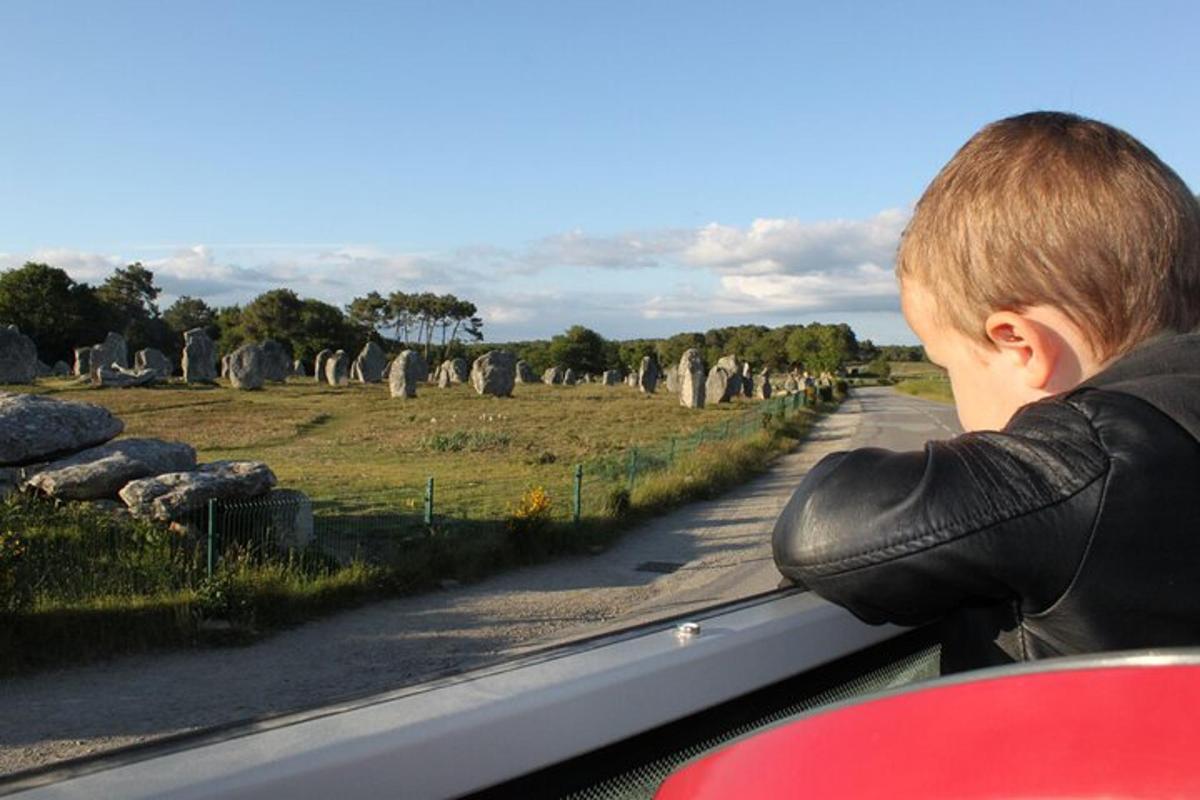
(1053, 268)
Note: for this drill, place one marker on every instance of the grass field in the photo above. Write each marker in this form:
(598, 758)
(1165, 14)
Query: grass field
(356, 450)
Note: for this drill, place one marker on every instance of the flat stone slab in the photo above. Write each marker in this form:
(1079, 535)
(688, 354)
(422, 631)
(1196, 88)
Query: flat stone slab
(34, 428)
(100, 472)
(175, 494)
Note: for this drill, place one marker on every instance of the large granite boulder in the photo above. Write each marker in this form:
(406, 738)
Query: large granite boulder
(747, 380)
(525, 373)
(460, 370)
(671, 376)
(154, 360)
(494, 373)
(319, 365)
(691, 379)
(370, 363)
(100, 472)
(18, 356)
(298, 370)
(34, 428)
(277, 364)
(247, 367)
(552, 376)
(648, 375)
(405, 374)
(172, 495)
(733, 370)
(721, 386)
(291, 518)
(199, 357)
(117, 377)
(611, 377)
(225, 366)
(83, 361)
(337, 369)
(569, 377)
(762, 385)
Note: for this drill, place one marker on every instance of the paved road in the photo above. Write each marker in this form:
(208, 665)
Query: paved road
(722, 547)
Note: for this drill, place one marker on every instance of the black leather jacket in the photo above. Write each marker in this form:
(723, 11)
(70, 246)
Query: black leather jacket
(1075, 529)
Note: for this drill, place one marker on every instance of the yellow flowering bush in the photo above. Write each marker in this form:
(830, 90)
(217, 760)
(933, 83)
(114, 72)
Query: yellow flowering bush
(531, 512)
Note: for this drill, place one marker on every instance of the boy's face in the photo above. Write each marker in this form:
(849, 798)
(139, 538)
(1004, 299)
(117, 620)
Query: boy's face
(986, 391)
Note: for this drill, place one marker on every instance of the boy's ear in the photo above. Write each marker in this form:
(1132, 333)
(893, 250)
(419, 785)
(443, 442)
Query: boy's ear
(1029, 347)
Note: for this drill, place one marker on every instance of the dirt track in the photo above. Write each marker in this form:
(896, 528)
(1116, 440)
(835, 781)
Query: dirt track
(723, 547)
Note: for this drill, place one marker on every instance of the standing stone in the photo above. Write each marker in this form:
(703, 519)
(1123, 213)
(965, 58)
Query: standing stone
(355, 372)
(337, 369)
(83, 361)
(611, 377)
(405, 374)
(648, 375)
(370, 363)
(525, 373)
(494, 373)
(552, 376)
(721, 386)
(319, 365)
(199, 357)
(225, 366)
(747, 380)
(34, 427)
(733, 372)
(443, 376)
(569, 377)
(298, 370)
(247, 367)
(691, 379)
(154, 360)
(460, 370)
(671, 375)
(276, 361)
(762, 386)
(18, 356)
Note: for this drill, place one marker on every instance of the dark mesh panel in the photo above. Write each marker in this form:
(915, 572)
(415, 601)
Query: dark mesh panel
(642, 781)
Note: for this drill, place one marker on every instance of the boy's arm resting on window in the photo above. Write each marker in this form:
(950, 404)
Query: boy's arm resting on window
(982, 518)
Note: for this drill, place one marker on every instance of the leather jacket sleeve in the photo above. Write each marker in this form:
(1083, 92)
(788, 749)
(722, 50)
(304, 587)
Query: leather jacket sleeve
(985, 518)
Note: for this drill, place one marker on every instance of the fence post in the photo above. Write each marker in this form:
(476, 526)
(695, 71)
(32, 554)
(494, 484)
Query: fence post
(429, 501)
(578, 492)
(212, 513)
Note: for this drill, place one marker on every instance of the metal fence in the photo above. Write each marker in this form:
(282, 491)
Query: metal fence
(102, 553)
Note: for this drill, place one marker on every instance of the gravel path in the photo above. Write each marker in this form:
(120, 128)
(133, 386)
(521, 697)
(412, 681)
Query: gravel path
(723, 546)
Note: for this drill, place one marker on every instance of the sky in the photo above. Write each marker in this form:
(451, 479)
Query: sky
(642, 168)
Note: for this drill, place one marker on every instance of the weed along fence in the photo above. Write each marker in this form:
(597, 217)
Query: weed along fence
(457, 505)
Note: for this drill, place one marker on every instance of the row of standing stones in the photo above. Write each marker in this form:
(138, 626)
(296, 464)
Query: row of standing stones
(495, 373)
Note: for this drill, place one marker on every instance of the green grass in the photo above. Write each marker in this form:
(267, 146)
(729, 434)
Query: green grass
(928, 388)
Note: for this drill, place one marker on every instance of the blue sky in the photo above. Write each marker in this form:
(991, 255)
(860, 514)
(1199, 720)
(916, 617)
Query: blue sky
(640, 167)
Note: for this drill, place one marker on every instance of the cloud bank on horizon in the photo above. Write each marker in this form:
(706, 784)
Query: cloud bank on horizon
(625, 285)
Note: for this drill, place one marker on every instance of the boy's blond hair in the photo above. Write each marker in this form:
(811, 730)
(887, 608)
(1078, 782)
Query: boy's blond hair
(1051, 208)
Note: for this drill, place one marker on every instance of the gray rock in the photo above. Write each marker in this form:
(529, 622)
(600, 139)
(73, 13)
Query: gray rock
(298, 370)
(648, 375)
(569, 377)
(199, 357)
(671, 376)
(733, 369)
(611, 377)
(276, 363)
(494, 373)
(552, 376)
(319, 365)
(631, 380)
(721, 387)
(247, 367)
(83, 361)
(174, 494)
(525, 373)
(460, 370)
(225, 366)
(154, 360)
(291, 518)
(747, 380)
(18, 356)
(34, 428)
(337, 369)
(60, 369)
(355, 372)
(100, 472)
(691, 379)
(43, 369)
(405, 374)
(117, 377)
(762, 385)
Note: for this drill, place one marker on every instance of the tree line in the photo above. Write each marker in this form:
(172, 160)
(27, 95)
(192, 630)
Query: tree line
(60, 314)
